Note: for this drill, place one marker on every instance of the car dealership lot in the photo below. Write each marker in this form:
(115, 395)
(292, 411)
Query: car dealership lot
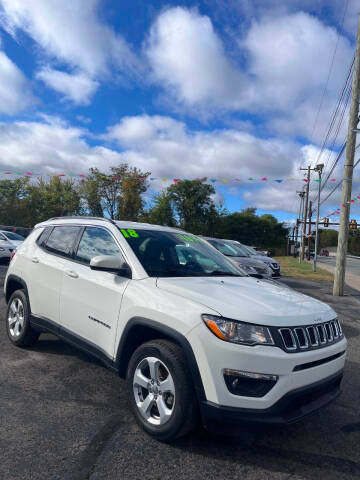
(65, 416)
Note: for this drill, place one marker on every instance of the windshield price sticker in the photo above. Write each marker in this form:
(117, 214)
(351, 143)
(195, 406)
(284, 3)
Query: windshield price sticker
(187, 238)
(129, 233)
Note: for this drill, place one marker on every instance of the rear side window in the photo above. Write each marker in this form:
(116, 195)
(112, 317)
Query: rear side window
(96, 241)
(43, 235)
(62, 240)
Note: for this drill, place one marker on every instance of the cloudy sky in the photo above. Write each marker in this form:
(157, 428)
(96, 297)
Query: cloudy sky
(223, 89)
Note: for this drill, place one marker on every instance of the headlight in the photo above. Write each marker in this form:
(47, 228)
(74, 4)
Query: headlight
(238, 332)
(247, 268)
(2, 249)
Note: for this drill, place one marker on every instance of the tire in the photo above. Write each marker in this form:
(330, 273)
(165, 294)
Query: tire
(18, 326)
(169, 387)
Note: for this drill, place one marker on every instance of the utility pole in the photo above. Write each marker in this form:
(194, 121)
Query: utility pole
(298, 220)
(319, 169)
(339, 280)
(305, 211)
(309, 231)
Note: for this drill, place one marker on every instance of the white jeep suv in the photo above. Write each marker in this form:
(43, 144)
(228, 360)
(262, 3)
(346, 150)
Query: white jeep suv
(193, 336)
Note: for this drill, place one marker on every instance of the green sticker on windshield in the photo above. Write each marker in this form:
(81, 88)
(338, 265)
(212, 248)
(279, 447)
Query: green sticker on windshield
(129, 233)
(187, 238)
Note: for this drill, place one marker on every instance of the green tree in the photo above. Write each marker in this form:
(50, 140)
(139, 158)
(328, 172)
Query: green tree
(192, 203)
(248, 228)
(13, 202)
(328, 238)
(118, 194)
(55, 198)
(89, 190)
(354, 242)
(130, 204)
(161, 212)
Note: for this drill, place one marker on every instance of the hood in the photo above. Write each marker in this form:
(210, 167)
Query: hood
(264, 259)
(7, 244)
(260, 267)
(252, 262)
(250, 300)
(15, 243)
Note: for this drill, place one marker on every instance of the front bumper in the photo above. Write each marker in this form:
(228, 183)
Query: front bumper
(294, 370)
(292, 407)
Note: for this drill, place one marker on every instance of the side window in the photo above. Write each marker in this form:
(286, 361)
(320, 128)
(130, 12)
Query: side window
(2, 237)
(62, 240)
(43, 235)
(96, 241)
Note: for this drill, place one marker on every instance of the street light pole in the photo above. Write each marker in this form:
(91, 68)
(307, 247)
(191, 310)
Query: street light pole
(319, 169)
(305, 212)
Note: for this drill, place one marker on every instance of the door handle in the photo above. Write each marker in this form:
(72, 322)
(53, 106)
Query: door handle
(35, 260)
(71, 273)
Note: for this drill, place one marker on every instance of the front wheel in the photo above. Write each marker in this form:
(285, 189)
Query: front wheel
(18, 326)
(161, 393)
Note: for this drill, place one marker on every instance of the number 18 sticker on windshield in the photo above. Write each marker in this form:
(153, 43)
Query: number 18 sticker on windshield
(129, 233)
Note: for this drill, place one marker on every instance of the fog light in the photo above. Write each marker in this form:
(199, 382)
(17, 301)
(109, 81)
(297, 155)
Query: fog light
(248, 384)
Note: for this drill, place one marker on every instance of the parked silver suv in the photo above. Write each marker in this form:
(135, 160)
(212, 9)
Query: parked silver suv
(240, 257)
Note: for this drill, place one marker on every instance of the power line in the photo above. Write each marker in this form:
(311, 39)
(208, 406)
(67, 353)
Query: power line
(346, 88)
(330, 70)
(335, 113)
(340, 182)
(336, 187)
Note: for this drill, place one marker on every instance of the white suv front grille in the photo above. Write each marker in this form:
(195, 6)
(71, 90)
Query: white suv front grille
(310, 337)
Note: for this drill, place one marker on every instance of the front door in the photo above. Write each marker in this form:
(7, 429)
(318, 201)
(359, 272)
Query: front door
(90, 300)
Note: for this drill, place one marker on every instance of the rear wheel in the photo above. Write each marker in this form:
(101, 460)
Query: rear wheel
(161, 392)
(18, 326)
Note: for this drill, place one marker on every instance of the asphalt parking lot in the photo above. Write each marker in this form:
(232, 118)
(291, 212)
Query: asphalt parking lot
(65, 416)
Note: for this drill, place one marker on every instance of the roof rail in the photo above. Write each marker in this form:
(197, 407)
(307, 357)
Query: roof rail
(82, 217)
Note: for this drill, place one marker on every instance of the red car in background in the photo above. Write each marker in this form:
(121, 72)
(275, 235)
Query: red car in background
(324, 252)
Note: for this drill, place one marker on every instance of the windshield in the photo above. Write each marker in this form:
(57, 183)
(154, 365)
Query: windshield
(170, 254)
(251, 250)
(13, 236)
(228, 248)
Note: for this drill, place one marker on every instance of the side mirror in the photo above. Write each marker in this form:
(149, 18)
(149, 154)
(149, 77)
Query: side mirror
(111, 263)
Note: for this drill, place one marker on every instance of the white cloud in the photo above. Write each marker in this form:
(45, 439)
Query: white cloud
(188, 58)
(71, 32)
(286, 64)
(289, 58)
(50, 146)
(77, 87)
(15, 92)
(167, 148)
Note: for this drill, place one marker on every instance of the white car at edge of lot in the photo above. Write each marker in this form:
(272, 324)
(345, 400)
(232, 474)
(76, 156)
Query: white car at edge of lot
(193, 337)
(9, 241)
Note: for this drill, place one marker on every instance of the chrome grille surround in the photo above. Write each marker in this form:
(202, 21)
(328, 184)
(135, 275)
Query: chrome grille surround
(310, 337)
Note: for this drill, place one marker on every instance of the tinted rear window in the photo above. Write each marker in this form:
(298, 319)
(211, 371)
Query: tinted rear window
(62, 240)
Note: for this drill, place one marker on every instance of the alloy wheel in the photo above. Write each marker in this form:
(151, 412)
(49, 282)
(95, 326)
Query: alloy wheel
(16, 318)
(154, 391)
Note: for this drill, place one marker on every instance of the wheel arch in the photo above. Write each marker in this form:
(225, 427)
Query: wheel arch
(13, 283)
(140, 330)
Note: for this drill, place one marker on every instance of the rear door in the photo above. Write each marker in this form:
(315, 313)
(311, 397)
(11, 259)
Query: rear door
(90, 300)
(45, 269)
